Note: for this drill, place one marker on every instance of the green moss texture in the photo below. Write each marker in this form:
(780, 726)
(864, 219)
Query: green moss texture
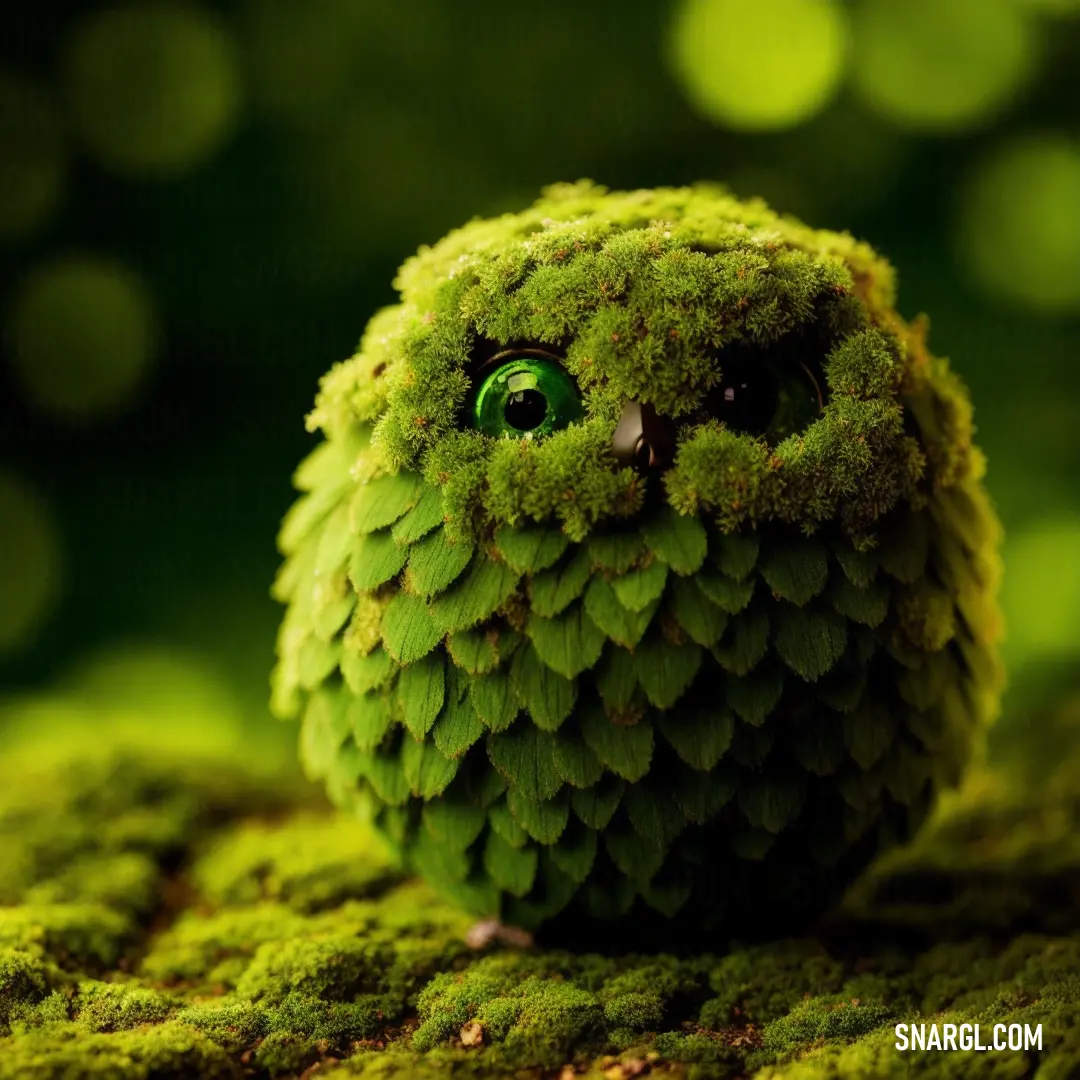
(565, 686)
(183, 918)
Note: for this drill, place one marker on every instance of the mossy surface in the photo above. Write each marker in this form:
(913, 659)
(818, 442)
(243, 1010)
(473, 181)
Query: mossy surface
(254, 932)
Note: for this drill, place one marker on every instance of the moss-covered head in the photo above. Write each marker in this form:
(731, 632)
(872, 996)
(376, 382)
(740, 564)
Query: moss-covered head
(646, 540)
(766, 352)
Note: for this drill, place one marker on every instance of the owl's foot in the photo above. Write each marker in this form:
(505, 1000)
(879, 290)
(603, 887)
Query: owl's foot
(483, 933)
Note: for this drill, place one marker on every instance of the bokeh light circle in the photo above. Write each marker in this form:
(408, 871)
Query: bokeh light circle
(30, 562)
(31, 156)
(1041, 593)
(152, 89)
(941, 65)
(761, 65)
(1019, 225)
(81, 334)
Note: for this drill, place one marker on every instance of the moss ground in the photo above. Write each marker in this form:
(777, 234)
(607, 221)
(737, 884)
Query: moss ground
(181, 916)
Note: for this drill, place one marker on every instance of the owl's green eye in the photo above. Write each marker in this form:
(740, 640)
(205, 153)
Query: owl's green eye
(526, 396)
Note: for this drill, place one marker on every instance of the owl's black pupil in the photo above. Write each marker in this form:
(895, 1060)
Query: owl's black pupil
(746, 404)
(525, 409)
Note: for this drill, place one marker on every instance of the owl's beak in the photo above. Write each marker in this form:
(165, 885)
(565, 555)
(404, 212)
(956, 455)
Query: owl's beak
(643, 438)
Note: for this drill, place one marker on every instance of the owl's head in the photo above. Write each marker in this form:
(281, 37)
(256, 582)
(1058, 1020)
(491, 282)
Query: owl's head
(600, 351)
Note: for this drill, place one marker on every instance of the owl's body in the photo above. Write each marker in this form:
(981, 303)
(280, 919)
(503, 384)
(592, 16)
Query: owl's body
(646, 560)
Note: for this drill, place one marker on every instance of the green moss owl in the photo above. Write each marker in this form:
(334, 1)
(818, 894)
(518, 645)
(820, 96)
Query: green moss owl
(645, 565)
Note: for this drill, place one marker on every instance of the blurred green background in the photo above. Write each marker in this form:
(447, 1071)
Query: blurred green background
(202, 203)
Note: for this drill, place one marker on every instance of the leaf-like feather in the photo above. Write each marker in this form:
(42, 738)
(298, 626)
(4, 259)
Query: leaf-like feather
(473, 652)
(575, 852)
(421, 519)
(639, 859)
(543, 819)
(457, 728)
(531, 549)
(575, 762)
(374, 560)
(809, 642)
(625, 750)
(754, 695)
(744, 643)
(770, 806)
(453, 822)
(904, 548)
(569, 644)
(701, 736)
(547, 696)
(868, 732)
(868, 605)
(526, 757)
(795, 568)
(655, 815)
(617, 678)
(335, 543)
(427, 771)
(603, 607)
(435, 562)
(438, 861)
(421, 689)
(860, 567)
(615, 551)
(370, 719)
(380, 502)
(703, 795)
(817, 741)
(388, 780)
(494, 699)
(553, 590)
(363, 673)
(512, 869)
(316, 660)
(408, 630)
(596, 805)
(726, 593)
(503, 822)
(637, 589)
(485, 586)
(665, 670)
(735, 554)
(678, 539)
(696, 613)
